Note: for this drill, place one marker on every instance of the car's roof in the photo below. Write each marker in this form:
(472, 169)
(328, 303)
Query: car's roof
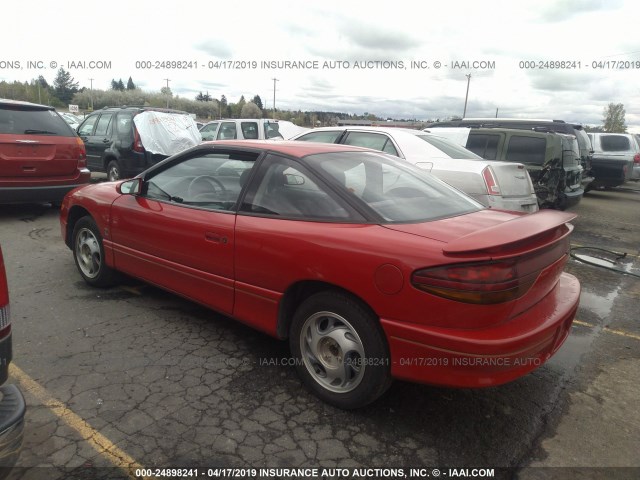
(292, 148)
(29, 105)
(367, 128)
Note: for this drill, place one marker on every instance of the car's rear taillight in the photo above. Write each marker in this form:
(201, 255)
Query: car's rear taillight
(636, 158)
(81, 153)
(5, 321)
(490, 180)
(137, 141)
(481, 283)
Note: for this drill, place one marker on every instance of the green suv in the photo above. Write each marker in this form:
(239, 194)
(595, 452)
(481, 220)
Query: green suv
(552, 159)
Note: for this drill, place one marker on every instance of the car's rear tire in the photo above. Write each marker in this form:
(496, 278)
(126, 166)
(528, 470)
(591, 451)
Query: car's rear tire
(88, 253)
(340, 350)
(113, 171)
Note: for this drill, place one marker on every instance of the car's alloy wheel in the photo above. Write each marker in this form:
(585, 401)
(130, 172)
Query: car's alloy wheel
(332, 351)
(340, 350)
(113, 171)
(88, 253)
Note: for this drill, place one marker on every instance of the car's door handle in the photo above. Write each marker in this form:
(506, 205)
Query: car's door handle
(215, 238)
(106, 140)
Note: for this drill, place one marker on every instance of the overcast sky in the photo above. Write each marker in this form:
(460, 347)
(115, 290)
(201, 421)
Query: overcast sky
(366, 34)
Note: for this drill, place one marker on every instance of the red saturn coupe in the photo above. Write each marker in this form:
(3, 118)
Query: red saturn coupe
(372, 268)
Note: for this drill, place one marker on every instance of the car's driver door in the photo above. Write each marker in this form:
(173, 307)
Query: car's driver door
(179, 231)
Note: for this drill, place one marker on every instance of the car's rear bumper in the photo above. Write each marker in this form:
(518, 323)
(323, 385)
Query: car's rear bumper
(572, 197)
(42, 191)
(518, 204)
(488, 356)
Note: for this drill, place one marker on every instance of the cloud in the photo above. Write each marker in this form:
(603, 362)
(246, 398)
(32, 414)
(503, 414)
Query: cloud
(215, 48)
(562, 10)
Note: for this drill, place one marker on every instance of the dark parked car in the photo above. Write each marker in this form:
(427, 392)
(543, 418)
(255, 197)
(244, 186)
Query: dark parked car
(552, 159)
(370, 266)
(114, 144)
(616, 159)
(41, 157)
(12, 405)
(558, 126)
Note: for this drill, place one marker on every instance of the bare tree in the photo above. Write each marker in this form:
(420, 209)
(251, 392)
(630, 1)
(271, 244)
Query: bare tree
(614, 118)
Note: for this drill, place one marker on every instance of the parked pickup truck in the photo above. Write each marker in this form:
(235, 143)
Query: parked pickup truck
(614, 158)
(250, 129)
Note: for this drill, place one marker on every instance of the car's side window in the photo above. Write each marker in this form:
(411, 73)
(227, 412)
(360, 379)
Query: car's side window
(208, 132)
(484, 145)
(249, 130)
(104, 124)
(123, 124)
(210, 181)
(227, 131)
(526, 150)
(323, 137)
(87, 126)
(375, 141)
(287, 190)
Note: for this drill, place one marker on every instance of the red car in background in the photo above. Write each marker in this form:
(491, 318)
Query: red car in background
(371, 267)
(41, 157)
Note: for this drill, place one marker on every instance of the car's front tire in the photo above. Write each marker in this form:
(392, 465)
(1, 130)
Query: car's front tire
(88, 253)
(340, 350)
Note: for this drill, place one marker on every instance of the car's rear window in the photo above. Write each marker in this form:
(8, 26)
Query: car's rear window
(397, 191)
(449, 148)
(615, 143)
(529, 150)
(21, 121)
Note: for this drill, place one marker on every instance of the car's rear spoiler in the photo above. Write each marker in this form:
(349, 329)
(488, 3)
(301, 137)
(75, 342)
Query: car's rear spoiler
(510, 235)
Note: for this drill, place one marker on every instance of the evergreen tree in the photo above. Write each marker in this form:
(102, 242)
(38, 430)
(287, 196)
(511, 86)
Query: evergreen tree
(64, 86)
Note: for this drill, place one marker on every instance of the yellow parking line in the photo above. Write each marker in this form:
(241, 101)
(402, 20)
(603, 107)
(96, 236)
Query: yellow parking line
(622, 333)
(95, 439)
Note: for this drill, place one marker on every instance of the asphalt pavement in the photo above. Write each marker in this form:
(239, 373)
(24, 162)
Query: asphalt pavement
(133, 377)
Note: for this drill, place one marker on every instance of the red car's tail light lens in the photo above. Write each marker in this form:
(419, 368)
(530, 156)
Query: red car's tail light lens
(137, 141)
(81, 153)
(636, 158)
(5, 320)
(490, 180)
(481, 283)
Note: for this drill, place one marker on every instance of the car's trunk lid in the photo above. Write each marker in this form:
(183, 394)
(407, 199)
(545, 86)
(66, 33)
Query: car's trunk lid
(38, 155)
(512, 179)
(538, 242)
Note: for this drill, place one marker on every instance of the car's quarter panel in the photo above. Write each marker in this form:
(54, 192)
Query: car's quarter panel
(273, 254)
(186, 250)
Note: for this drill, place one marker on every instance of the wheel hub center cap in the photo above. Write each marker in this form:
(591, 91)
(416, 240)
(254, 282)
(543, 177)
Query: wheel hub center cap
(330, 352)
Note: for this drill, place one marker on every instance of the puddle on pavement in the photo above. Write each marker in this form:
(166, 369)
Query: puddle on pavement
(600, 258)
(582, 336)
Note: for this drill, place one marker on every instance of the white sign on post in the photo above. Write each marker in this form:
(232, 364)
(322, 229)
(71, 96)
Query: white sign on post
(74, 108)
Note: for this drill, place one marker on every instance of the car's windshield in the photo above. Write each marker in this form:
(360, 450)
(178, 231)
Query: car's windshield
(449, 148)
(396, 191)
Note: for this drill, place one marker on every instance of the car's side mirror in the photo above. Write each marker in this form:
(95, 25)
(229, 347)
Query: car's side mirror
(130, 187)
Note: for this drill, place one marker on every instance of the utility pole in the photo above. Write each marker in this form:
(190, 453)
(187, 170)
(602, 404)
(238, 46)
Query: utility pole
(274, 96)
(496, 113)
(91, 93)
(168, 80)
(464, 114)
